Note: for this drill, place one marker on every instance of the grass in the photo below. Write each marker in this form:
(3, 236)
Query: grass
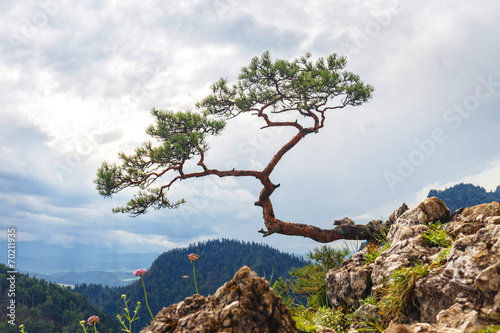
(308, 319)
(397, 295)
(489, 329)
(441, 257)
(436, 236)
(373, 251)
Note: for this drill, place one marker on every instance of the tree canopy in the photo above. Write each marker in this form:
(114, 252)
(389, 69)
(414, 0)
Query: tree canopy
(465, 195)
(302, 89)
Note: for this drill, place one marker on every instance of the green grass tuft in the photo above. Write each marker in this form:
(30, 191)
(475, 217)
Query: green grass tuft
(398, 294)
(436, 236)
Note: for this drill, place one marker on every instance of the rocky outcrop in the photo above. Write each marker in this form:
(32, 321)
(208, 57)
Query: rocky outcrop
(246, 303)
(459, 294)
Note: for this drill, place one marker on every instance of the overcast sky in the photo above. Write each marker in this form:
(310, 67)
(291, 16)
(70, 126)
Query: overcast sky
(79, 77)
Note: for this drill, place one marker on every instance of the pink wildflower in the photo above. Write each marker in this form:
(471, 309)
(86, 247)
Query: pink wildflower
(193, 257)
(93, 320)
(140, 272)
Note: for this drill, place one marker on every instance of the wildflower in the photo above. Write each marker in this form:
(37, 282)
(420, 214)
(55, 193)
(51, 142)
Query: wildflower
(140, 272)
(82, 324)
(192, 257)
(93, 320)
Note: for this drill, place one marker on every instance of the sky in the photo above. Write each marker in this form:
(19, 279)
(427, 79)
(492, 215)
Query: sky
(79, 78)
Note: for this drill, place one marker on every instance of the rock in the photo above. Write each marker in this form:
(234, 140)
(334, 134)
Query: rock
(246, 303)
(489, 212)
(405, 236)
(397, 213)
(470, 276)
(353, 281)
(461, 294)
(350, 283)
(429, 210)
(469, 220)
(398, 328)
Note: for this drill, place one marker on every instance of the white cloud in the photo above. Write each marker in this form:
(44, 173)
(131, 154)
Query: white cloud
(77, 83)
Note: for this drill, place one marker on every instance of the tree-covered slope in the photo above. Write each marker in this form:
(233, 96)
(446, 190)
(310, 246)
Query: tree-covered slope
(45, 307)
(465, 195)
(170, 277)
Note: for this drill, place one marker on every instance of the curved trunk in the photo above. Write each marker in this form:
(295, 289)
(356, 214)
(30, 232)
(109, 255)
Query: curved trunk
(345, 229)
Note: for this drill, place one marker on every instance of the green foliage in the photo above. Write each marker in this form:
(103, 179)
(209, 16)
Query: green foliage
(465, 195)
(304, 320)
(436, 236)
(309, 281)
(130, 319)
(328, 257)
(441, 257)
(300, 87)
(373, 251)
(170, 278)
(48, 307)
(180, 135)
(397, 294)
(369, 300)
(308, 319)
(489, 329)
(338, 319)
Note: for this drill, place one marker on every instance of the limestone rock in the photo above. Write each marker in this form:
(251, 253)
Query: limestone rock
(461, 295)
(469, 277)
(246, 303)
(405, 236)
(350, 283)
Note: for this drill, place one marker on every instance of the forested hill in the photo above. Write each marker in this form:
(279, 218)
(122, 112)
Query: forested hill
(465, 195)
(45, 307)
(170, 277)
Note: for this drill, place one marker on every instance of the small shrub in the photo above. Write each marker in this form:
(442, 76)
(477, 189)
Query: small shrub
(436, 236)
(309, 281)
(397, 295)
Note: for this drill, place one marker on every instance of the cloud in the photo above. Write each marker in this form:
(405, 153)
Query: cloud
(78, 79)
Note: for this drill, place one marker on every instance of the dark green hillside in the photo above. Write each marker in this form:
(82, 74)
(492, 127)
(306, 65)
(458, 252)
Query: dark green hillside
(465, 195)
(46, 307)
(166, 282)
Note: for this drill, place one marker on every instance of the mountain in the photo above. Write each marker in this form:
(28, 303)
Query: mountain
(465, 195)
(170, 277)
(44, 307)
